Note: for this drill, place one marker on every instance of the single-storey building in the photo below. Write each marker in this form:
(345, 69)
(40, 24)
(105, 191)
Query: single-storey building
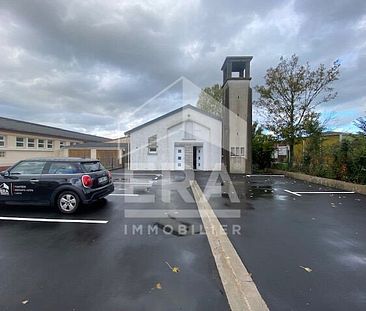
(186, 138)
(21, 140)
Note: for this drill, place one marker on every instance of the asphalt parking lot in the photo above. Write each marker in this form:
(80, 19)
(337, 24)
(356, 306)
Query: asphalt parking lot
(282, 232)
(96, 262)
(87, 266)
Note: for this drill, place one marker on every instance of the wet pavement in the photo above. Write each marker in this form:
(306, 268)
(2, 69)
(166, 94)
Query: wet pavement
(66, 266)
(77, 266)
(283, 233)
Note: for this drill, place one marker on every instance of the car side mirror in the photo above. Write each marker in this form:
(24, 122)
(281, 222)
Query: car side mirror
(5, 174)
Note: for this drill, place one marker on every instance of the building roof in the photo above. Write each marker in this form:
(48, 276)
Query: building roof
(230, 59)
(97, 145)
(7, 124)
(68, 159)
(171, 113)
(333, 133)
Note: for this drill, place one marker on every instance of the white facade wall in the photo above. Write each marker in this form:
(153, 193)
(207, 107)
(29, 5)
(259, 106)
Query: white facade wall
(179, 128)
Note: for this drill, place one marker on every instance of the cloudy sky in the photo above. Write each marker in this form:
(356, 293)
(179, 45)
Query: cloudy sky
(87, 65)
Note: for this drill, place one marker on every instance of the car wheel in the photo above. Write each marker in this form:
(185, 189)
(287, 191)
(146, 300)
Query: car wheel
(68, 202)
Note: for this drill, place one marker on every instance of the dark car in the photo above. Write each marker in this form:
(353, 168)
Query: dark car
(61, 182)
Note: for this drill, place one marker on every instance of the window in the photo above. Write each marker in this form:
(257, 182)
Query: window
(41, 143)
(152, 144)
(49, 144)
(62, 144)
(236, 151)
(31, 143)
(19, 142)
(92, 166)
(232, 151)
(2, 154)
(28, 168)
(63, 168)
(2, 141)
(242, 151)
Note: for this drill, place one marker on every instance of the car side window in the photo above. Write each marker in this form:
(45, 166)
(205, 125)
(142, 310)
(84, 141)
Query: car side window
(28, 168)
(63, 168)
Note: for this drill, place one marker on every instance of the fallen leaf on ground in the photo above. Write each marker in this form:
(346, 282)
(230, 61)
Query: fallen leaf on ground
(306, 269)
(24, 302)
(174, 269)
(158, 285)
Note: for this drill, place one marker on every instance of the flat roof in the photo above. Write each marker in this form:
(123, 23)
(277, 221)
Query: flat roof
(230, 59)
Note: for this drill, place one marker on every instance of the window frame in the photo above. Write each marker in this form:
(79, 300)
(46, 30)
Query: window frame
(152, 144)
(38, 143)
(2, 141)
(2, 154)
(23, 141)
(49, 143)
(34, 143)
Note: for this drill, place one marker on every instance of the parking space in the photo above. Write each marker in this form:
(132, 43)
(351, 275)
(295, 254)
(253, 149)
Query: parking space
(304, 245)
(305, 251)
(117, 265)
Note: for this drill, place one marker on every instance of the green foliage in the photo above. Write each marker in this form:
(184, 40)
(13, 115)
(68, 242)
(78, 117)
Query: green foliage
(350, 159)
(361, 124)
(345, 160)
(262, 147)
(313, 129)
(290, 94)
(210, 100)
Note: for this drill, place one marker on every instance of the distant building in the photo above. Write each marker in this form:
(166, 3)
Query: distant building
(21, 140)
(328, 140)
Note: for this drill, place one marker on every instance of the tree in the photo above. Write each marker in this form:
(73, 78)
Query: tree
(290, 95)
(262, 147)
(313, 129)
(210, 100)
(361, 124)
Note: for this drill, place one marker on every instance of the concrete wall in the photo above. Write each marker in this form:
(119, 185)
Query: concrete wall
(237, 121)
(177, 129)
(325, 181)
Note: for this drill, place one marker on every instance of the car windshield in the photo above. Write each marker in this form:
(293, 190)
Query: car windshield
(92, 166)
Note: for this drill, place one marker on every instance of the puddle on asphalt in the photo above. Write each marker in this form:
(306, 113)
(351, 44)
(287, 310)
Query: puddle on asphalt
(178, 228)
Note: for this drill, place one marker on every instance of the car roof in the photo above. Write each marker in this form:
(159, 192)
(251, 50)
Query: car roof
(62, 159)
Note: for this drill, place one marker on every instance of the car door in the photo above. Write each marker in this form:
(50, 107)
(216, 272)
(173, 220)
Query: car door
(56, 174)
(23, 181)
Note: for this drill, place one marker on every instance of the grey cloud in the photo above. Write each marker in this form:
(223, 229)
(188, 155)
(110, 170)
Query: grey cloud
(94, 60)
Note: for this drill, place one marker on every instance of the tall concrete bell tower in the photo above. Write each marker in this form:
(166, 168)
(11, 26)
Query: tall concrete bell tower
(237, 114)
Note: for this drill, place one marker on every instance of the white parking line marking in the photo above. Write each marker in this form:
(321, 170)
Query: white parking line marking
(259, 175)
(132, 183)
(325, 192)
(124, 194)
(295, 193)
(132, 174)
(81, 221)
(240, 289)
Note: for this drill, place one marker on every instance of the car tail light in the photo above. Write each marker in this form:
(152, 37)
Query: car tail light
(110, 175)
(87, 181)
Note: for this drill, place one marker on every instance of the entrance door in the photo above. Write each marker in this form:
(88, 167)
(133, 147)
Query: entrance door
(179, 158)
(199, 158)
